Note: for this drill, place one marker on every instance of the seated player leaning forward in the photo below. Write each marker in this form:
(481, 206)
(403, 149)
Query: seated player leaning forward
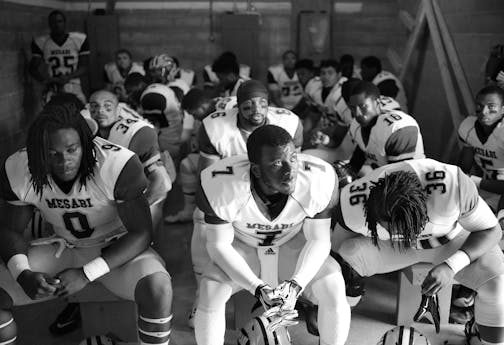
(91, 192)
(268, 219)
(426, 211)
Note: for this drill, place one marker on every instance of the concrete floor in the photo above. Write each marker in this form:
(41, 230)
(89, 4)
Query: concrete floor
(370, 319)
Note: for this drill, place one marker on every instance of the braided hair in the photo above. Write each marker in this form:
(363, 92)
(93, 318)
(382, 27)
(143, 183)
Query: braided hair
(52, 118)
(399, 200)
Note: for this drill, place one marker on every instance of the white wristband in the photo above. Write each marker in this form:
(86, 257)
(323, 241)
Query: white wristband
(458, 261)
(96, 268)
(476, 180)
(17, 264)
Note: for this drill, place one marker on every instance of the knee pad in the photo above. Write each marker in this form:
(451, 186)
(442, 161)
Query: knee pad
(8, 329)
(354, 282)
(489, 303)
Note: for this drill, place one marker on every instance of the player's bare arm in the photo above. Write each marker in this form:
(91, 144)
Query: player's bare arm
(466, 159)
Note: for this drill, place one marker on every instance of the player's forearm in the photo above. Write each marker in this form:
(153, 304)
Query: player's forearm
(79, 72)
(494, 186)
(315, 251)
(126, 248)
(159, 184)
(480, 242)
(12, 243)
(234, 265)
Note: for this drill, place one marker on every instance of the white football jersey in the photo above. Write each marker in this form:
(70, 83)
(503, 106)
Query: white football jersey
(445, 202)
(225, 103)
(115, 77)
(227, 187)
(214, 79)
(85, 215)
(290, 88)
(489, 154)
(387, 124)
(225, 136)
(61, 59)
(401, 94)
(334, 102)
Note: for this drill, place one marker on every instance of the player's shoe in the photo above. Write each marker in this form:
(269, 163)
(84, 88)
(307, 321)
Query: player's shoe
(464, 297)
(67, 321)
(461, 315)
(429, 310)
(190, 318)
(472, 333)
(354, 283)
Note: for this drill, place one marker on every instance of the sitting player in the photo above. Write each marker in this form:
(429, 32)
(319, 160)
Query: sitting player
(426, 211)
(283, 84)
(91, 191)
(483, 146)
(381, 137)
(268, 219)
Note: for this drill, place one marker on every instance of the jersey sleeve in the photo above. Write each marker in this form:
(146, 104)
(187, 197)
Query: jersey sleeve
(188, 121)
(205, 146)
(468, 194)
(35, 49)
(271, 78)
(298, 136)
(144, 143)
(204, 205)
(388, 88)
(464, 130)
(402, 144)
(131, 182)
(6, 191)
(84, 49)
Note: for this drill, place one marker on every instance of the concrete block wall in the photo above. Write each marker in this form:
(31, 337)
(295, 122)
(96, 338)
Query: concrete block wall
(366, 27)
(475, 26)
(17, 90)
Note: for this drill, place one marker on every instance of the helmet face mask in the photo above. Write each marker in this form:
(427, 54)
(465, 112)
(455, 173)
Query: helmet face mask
(403, 335)
(345, 173)
(256, 332)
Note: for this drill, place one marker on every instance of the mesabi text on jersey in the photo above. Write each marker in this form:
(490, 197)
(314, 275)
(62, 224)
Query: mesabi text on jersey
(69, 203)
(259, 226)
(61, 52)
(485, 152)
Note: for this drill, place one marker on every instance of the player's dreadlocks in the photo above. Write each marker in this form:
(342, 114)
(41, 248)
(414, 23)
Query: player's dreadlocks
(399, 200)
(51, 119)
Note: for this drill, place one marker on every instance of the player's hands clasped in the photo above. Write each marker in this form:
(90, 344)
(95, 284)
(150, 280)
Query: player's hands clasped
(438, 277)
(267, 296)
(38, 285)
(288, 291)
(72, 280)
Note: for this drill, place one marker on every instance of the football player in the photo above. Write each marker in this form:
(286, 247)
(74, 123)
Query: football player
(283, 84)
(224, 134)
(388, 83)
(481, 136)
(422, 210)
(92, 193)
(117, 71)
(381, 137)
(159, 105)
(268, 219)
(210, 78)
(482, 145)
(66, 55)
(197, 104)
(138, 136)
(227, 70)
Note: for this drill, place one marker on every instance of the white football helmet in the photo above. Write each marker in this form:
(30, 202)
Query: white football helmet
(403, 335)
(256, 332)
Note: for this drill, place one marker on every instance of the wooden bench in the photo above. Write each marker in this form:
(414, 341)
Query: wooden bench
(103, 312)
(409, 294)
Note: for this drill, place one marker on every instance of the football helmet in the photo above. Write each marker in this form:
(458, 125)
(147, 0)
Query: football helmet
(257, 332)
(162, 68)
(99, 340)
(345, 173)
(403, 335)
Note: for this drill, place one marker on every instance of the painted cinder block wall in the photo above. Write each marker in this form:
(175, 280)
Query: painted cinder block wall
(359, 27)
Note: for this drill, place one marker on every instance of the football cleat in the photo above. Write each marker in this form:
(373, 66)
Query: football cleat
(464, 297)
(67, 321)
(472, 333)
(354, 283)
(429, 306)
(461, 315)
(190, 318)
